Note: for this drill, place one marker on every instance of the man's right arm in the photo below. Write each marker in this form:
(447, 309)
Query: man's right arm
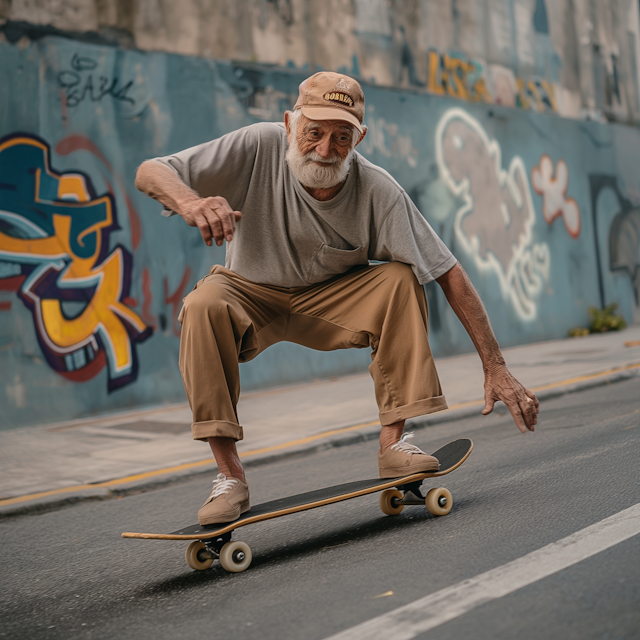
(213, 216)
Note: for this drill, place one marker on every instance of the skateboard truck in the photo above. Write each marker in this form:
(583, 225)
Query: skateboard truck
(233, 556)
(412, 494)
(214, 545)
(438, 501)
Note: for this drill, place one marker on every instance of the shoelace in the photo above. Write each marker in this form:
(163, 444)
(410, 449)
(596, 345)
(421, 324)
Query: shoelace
(404, 446)
(222, 485)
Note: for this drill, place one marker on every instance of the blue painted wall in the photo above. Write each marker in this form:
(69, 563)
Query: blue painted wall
(540, 210)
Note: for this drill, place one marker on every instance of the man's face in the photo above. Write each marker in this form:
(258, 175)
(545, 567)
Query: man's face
(320, 151)
(328, 138)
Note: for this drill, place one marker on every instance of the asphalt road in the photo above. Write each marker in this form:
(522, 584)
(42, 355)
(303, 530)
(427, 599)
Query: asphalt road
(67, 574)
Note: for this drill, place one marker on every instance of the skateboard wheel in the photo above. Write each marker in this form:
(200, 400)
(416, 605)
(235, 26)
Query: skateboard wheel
(235, 556)
(197, 556)
(439, 501)
(389, 502)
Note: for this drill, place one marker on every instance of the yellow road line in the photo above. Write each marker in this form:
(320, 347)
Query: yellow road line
(278, 447)
(590, 376)
(181, 467)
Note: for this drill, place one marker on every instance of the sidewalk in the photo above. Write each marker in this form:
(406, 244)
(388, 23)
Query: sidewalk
(44, 466)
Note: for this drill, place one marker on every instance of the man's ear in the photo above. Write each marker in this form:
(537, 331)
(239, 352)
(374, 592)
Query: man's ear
(287, 123)
(362, 135)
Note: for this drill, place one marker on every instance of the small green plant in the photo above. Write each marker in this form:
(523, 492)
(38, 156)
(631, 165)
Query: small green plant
(601, 320)
(606, 319)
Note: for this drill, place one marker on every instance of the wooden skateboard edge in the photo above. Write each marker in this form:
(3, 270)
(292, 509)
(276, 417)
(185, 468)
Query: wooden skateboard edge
(391, 483)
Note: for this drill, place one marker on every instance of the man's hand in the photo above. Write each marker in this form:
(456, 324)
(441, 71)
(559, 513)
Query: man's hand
(213, 217)
(499, 384)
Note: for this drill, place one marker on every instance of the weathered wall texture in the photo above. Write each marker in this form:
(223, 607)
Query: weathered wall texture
(579, 58)
(542, 211)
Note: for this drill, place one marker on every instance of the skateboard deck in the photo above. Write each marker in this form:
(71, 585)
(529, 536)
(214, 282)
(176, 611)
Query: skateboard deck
(214, 541)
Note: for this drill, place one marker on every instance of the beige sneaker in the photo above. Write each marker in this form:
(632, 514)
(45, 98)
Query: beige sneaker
(403, 459)
(229, 499)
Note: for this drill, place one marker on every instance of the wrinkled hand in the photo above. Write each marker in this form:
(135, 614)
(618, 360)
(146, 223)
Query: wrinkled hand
(213, 217)
(499, 384)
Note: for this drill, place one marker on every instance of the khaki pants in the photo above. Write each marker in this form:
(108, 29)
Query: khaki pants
(227, 319)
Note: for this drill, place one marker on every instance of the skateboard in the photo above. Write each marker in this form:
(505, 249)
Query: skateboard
(213, 542)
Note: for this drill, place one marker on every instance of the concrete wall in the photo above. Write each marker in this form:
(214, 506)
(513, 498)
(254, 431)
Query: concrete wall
(579, 58)
(542, 211)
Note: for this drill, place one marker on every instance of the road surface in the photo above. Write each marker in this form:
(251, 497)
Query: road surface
(67, 574)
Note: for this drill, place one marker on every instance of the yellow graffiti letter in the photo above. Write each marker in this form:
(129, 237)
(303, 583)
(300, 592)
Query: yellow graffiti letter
(435, 82)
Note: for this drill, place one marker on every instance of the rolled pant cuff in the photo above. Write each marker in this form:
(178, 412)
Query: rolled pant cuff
(418, 408)
(216, 429)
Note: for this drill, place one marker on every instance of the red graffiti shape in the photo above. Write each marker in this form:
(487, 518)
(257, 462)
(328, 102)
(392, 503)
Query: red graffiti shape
(134, 221)
(147, 299)
(10, 284)
(176, 298)
(80, 143)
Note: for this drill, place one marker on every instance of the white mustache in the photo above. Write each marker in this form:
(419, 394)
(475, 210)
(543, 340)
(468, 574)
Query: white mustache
(314, 156)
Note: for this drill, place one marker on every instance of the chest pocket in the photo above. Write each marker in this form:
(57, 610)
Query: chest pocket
(329, 262)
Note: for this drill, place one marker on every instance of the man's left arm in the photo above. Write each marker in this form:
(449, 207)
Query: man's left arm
(499, 384)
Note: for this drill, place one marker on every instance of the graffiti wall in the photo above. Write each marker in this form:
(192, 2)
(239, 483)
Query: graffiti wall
(55, 244)
(578, 58)
(543, 212)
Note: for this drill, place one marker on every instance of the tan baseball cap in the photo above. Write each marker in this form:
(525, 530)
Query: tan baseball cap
(332, 96)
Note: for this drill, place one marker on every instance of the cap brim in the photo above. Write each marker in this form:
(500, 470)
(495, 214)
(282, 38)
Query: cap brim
(331, 113)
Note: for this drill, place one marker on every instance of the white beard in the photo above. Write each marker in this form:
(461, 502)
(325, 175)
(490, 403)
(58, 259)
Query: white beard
(333, 171)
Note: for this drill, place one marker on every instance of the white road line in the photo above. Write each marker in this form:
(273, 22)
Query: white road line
(419, 616)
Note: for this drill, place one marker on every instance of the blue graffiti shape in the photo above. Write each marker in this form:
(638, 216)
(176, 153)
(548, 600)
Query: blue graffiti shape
(55, 230)
(540, 18)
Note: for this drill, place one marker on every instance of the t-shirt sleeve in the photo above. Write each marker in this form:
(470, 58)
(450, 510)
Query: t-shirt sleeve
(405, 236)
(221, 167)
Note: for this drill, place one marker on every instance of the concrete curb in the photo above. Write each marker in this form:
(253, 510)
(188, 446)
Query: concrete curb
(84, 494)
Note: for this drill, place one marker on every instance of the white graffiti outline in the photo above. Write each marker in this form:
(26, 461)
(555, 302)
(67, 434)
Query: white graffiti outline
(529, 265)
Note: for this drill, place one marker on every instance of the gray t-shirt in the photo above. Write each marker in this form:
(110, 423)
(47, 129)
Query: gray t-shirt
(286, 237)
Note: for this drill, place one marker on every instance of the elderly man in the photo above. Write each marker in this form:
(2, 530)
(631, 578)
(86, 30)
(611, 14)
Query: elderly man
(303, 213)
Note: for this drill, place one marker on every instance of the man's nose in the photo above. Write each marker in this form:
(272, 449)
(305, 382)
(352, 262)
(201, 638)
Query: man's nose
(323, 148)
